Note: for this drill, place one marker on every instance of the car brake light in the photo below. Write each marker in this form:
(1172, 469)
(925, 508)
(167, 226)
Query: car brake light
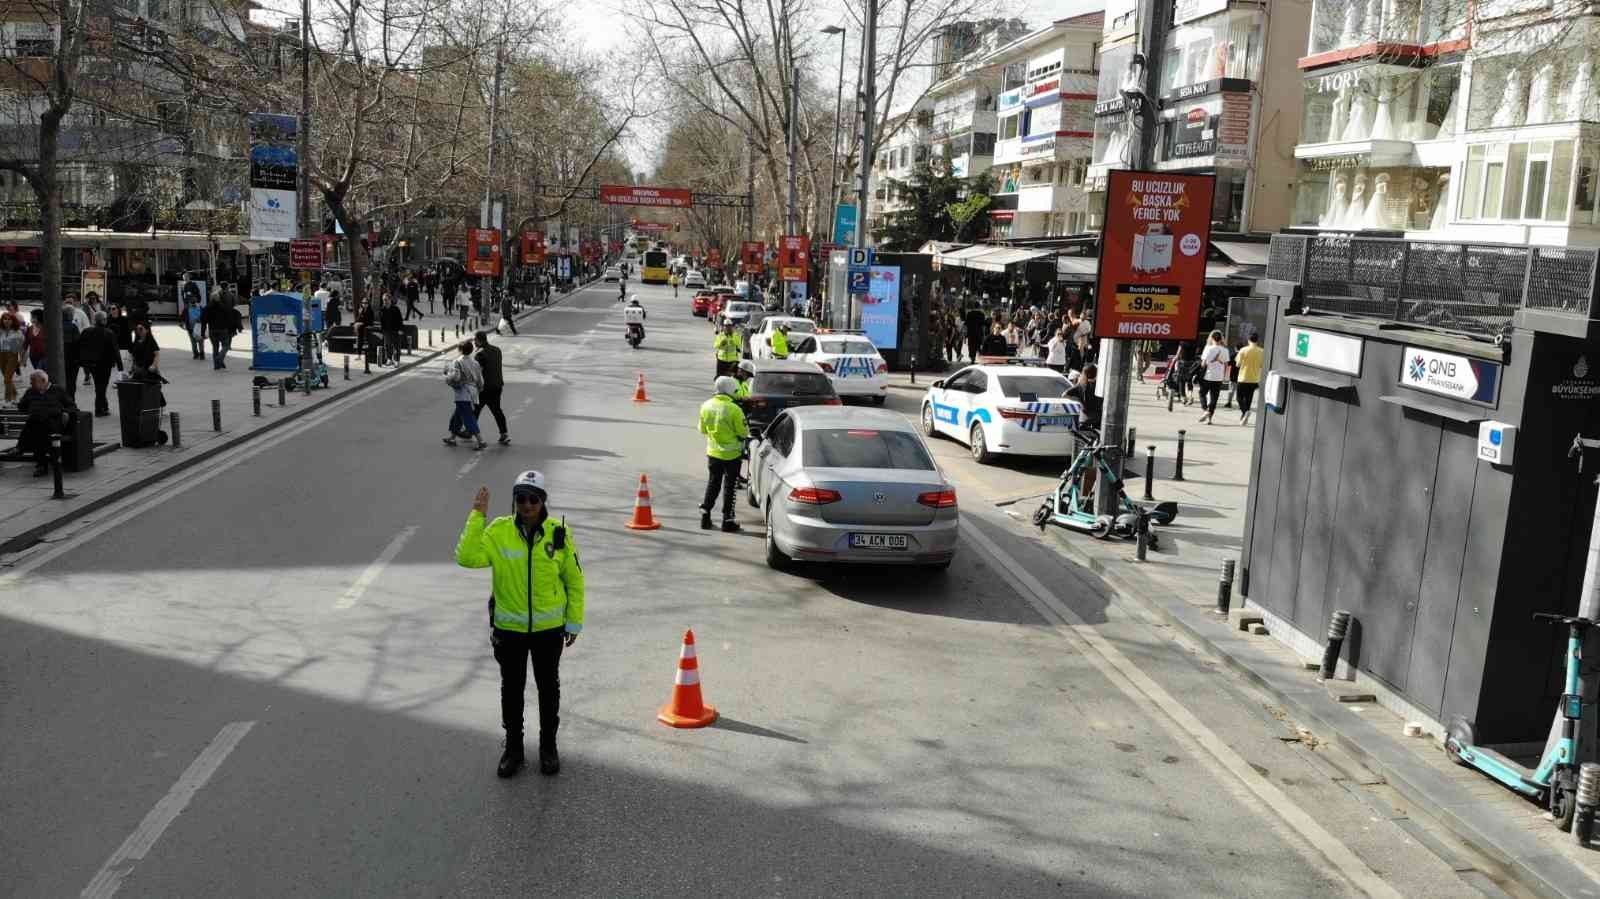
(883, 367)
(833, 402)
(814, 496)
(826, 366)
(938, 499)
(1017, 414)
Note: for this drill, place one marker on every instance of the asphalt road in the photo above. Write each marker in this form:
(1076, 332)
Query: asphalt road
(268, 677)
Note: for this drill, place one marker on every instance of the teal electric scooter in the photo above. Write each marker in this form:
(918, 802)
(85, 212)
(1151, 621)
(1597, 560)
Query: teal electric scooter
(1555, 782)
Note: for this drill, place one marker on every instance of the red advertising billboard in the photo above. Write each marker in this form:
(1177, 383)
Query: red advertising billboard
(533, 248)
(1153, 255)
(483, 252)
(794, 255)
(753, 252)
(305, 254)
(652, 227)
(633, 195)
(714, 257)
(616, 247)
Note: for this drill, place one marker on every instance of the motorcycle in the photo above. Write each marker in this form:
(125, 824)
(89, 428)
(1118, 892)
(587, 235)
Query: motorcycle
(635, 334)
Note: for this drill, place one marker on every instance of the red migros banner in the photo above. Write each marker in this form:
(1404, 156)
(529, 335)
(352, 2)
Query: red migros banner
(483, 252)
(636, 195)
(794, 253)
(1153, 255)
(533, 248)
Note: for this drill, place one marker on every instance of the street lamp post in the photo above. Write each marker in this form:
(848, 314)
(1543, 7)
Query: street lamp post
(838, 105)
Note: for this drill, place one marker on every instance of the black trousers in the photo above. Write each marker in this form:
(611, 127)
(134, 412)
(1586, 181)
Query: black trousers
(35, 439)
(973, 340)
(102, 377)
(512, 650)
(1246, 394)
(490, 396)
(1209, 391)
(721, 474)
(73, 367)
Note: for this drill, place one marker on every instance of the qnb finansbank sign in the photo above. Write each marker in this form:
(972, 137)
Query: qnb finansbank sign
(1447, 374)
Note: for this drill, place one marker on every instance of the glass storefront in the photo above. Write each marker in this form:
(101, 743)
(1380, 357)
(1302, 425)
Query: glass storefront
(1344, 24)
(1113, 137)
(1227, 45)
(1341, 193)
(1554, 85)
(1380, 102)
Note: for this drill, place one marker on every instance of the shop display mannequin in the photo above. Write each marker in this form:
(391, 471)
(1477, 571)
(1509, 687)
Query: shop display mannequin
(1357, 213)
(1377, 214)
(1361, 109)
(1340, 115)
(1544, 95)
(1512, 101)
(1383, 120)
(1441, 199)
(1351, 35)
(1577, 103)
(1334, 215)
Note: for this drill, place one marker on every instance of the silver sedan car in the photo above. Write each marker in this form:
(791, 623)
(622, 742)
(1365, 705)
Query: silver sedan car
(838, 484)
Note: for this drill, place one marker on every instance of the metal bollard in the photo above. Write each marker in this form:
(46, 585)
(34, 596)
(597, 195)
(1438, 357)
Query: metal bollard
(216, 415)
(1225, 588)
(59, 491)
(283, 394)
(1143, 527)
(1170, 393)
(366, 364)
(1588, 798)
(347, 368)
(1337, 628)
(430, 338)
(913, 369)
(1133, 444)
(1177, 473)
(177, 435)
(255, 400)
(1149, 470)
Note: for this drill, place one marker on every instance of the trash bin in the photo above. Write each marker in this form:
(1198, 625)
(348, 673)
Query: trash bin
(139, 408)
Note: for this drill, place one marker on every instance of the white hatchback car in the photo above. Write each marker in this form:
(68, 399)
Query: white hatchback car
(850, 361)
(694, 278)
(1017, 409)
(760, 342)
(613, 273)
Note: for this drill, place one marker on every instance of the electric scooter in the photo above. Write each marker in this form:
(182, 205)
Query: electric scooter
(1554, 783)
(1070, 506)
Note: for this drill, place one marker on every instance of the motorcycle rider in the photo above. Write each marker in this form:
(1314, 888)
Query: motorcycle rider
(536, 608)
(634, 315)
(722, 421)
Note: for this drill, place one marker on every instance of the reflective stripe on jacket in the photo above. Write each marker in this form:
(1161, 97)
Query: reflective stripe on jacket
(722, 421)
(536, 586)
(729, 346)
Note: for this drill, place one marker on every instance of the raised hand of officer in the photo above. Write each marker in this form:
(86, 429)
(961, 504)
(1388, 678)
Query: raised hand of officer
(481, 502)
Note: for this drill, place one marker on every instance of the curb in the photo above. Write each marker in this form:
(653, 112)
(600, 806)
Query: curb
(1523, 858)
(36, 533)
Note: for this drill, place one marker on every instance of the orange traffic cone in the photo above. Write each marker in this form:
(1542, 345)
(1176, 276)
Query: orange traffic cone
(643, 518)
(638, 392)
(687, 709)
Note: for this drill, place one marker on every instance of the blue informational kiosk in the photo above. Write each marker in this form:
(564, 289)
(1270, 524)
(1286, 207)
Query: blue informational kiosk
(275, 328)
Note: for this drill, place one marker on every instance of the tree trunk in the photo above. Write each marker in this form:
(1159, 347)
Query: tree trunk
(48, 191)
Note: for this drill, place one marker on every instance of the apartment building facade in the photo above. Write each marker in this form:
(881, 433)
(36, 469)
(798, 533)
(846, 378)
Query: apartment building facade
(1219, 113)
(1419, 122)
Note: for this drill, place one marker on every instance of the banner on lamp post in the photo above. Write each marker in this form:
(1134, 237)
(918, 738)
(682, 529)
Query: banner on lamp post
(794, 256)
(274, 176)
(1153, 255)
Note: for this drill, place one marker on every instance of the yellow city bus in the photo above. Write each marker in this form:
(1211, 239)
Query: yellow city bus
(654, 268)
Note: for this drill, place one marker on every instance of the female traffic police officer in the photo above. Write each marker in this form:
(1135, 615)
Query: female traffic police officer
(535, 610)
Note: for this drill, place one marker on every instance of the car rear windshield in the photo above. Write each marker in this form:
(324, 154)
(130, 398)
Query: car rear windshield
(1042, 386)
(863, 448)
(793, 383)
(849, 347)
(807, 325)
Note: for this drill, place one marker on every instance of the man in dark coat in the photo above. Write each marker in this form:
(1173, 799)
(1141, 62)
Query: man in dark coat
(97, 351)
(47, 407)
(394, 324)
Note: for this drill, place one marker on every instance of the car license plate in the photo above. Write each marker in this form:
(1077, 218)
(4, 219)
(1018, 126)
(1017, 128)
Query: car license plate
(879, 541)
(1054, 421)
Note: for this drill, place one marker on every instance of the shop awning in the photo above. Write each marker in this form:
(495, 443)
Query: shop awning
(1243, 253)
(957, 258)
(998, 259)
(73, 238)
(1077, 269)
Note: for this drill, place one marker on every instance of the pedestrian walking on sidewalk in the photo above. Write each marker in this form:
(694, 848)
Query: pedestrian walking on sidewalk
(217, 319)
(97, 350)
(47, 407)
(535, 609)
(1248, 367)
(12, 343)
(394, 324)
(1214, 373)
(464, 379)
(122, 326)
(192, 307)
(413, 291)
(488, 359)
(722, 421)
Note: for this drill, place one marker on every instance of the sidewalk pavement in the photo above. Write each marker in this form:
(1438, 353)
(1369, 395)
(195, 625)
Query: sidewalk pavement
(1179, 584)
(27, 509)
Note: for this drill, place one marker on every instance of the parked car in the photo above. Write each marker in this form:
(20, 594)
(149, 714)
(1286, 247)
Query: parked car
(1016, 409)
(740, 313)
(779, 384)
(760, 342)
(853, 486)
(701, 303)
(849, 359)
(612, 273)
(694, 278)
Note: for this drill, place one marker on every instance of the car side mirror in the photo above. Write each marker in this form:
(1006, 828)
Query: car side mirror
(939, 383)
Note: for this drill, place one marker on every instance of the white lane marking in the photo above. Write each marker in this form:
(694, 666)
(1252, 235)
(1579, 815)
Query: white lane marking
(357, 589)
(466, 469)
(1133, 681)
(109, 879)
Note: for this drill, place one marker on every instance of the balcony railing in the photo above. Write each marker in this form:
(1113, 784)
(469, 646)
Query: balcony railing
(1473, 288)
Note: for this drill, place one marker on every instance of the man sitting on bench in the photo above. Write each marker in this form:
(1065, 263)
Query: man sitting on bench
(47, 407)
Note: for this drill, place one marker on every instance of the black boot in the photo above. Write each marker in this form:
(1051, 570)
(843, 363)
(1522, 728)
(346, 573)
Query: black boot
(705, 522)
(729, 526)
(549, 760)
(511, 759)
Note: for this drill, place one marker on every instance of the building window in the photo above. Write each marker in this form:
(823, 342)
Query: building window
(1220, 46)
(1009, 125)
(1014, 77)
(1523, 181)
(983, 144)
(1513, 89)
(1378, 102)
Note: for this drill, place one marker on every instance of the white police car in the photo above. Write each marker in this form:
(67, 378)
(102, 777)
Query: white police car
(848, 358)
(1017, 409)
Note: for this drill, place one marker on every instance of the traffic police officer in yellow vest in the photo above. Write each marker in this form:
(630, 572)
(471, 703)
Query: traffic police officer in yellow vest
(744, 374)
(722, 421)
(536, 608)
(780, 342)
(729, 345)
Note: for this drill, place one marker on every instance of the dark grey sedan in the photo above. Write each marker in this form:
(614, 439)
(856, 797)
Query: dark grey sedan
(839, 484)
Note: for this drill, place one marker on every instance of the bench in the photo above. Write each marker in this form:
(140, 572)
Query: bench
(78, 449)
